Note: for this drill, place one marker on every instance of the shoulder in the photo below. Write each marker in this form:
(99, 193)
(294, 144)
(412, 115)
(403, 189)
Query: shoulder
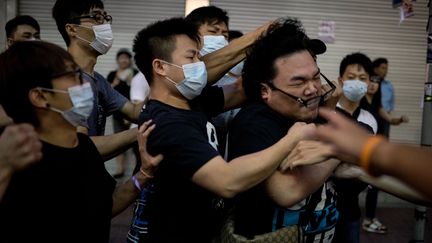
(367, 118)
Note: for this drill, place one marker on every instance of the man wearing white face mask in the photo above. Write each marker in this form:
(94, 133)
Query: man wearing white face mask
(213, 25)
(354, 77)
(86, 29)
(183, 204)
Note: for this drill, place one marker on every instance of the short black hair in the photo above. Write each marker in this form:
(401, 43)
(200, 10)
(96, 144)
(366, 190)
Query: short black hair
(356, 58)
(208, 15)
(123, 51)
(65, 10)
(12, 25)
(158, 40)
(24, 66)
(234, 34)
(377, 62)
(283, 38)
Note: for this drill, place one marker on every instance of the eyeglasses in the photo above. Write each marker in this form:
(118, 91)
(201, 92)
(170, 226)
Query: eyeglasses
(314, 100)
(97, 17)
(77, 71)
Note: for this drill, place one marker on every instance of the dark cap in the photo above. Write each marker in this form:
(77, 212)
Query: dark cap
(317, 46)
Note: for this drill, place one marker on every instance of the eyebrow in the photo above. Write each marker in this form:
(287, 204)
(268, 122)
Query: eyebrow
(303, 78)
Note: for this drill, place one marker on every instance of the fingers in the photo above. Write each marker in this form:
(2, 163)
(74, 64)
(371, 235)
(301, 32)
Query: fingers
(20, 146)
(144, 126)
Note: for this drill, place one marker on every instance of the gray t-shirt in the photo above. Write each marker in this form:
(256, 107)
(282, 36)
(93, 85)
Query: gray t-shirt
(106, 101)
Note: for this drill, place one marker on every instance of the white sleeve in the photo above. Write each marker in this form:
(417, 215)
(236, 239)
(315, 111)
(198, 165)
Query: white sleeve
(139, 89)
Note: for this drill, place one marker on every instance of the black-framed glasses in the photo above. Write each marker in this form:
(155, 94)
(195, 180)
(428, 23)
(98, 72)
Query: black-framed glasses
(328, 93)
(314, 100)
(97, 17)
(77, 71)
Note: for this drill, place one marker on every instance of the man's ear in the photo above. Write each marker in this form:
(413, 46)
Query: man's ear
(10, 41)
(159, 67)
(340, 82)
(37, 98)
(265, 91)
(71, 29)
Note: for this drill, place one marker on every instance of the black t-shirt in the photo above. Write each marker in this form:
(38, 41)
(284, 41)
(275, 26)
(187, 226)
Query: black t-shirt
(178, 210)
(65, 197)
(255, 128)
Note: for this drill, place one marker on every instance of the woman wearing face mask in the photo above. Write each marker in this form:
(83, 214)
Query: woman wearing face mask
(68, 196)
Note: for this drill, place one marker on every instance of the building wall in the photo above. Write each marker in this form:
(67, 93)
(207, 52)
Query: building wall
(369, 26)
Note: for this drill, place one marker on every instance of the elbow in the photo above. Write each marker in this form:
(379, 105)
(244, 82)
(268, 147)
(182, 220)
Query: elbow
(228, 191)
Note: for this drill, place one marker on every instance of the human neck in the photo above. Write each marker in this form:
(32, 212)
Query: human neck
(86, 60)
(369, 98)
(348, 105)
(57, 131)
(160, 92)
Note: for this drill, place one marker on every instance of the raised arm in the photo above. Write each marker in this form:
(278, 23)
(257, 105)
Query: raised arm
(411, 165)
(110, 146)
(19, 147)
(228, 179)
(221, 61)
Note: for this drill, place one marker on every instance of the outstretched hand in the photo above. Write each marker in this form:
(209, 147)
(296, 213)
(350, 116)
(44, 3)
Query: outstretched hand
(149, 162)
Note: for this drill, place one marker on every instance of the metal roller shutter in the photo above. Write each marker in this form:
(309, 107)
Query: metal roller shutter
(369, 26)
(128, 18)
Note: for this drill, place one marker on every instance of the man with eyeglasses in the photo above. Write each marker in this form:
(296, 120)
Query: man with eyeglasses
(86, 29)
(283, 84)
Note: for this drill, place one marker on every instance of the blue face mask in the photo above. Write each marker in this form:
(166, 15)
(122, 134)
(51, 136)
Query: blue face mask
(354, 90)
(82, 100)
(195, 79)
(213, 43)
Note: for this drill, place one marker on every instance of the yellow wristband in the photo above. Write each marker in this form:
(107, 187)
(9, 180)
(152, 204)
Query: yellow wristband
(366, 152)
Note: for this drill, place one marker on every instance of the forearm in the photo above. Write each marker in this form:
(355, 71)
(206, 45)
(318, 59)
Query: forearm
(396, 187)
(132, 110)
(111, 145)
(260, 165)
(234, 95)
(287, 189)
(221, 61)
(409, 164)
(5, 176)
(126, 194)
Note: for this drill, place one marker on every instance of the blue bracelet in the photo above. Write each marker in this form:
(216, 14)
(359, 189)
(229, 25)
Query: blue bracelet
(137, 184)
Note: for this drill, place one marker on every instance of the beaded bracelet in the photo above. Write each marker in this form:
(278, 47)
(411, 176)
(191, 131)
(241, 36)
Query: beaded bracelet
(136, 182)
(366, 152)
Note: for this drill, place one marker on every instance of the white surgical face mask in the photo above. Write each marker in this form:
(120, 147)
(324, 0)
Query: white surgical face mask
(354, 90)
(195, 79)
(103, 38)
(212, 43)
(82, 100)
